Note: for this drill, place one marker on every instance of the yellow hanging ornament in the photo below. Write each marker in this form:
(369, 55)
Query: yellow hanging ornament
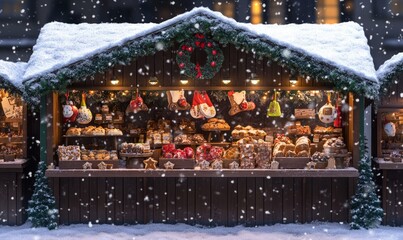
(274, 109)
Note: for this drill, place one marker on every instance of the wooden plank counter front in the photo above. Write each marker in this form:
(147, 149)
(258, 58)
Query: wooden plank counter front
(206, 197)
(15, 189)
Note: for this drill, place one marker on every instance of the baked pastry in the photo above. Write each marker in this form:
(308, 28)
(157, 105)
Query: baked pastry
(113, 131)
(290, 153)
(302, 144)
(231, 153)
(278, 150)
(303, 153)
(73, 131)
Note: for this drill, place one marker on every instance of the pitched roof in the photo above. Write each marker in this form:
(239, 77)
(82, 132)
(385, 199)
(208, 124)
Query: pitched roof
(339, 48)
(11, 74)
(390, 69)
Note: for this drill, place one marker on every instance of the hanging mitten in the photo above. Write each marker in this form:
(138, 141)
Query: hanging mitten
(238, 103)
(177, 100)
(195, 109)
(207, 108)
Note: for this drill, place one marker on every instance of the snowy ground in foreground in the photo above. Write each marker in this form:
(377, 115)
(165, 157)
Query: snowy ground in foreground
(322, 231)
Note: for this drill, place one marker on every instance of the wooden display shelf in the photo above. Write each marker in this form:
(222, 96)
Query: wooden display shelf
(78, 164)
(97, 136)
(292, 162)
(136, 155)
(18, 140)
(179, 163)
(255, 173)
(388, 165)
(16, 166)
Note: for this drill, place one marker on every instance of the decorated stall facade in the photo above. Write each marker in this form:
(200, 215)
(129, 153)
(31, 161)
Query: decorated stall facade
(15, 181)
(389, 130)
(201, 120)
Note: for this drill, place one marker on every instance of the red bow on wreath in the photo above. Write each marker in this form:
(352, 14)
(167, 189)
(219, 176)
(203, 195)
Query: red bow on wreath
(199, 73)
(200, 44)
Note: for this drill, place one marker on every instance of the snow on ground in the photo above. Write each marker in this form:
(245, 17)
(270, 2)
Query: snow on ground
(322, 231)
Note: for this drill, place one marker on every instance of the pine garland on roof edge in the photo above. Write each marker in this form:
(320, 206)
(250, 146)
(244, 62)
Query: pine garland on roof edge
(366, 211)
(42, 210)
(223, 33)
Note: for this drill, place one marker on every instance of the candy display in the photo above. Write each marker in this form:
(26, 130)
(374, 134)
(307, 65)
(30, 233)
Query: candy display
(170, 151)
(209, 153)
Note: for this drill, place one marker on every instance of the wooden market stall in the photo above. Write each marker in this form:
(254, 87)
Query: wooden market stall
(15, 165)
(272, 111)
(389, 139)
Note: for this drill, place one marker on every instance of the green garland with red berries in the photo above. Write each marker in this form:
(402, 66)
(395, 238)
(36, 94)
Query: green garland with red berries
(214, 60)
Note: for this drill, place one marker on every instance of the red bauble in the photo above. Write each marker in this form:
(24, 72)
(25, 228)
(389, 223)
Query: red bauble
(209, 44)
(180, 53)
(184, 47)
(214, 52)
(181, 65)
(190, 49)
(182, 102)
(213, 64)
(244, 105)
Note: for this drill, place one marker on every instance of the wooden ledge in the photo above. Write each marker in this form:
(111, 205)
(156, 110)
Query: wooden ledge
(388, 165)
(15, 166)
(266, 173)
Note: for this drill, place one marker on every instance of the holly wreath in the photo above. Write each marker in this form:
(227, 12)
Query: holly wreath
(214, 60)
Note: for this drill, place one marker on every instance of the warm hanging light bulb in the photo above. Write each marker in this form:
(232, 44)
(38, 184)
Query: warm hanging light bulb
(153, 81)
(184, 81)
(114, 81)
(293, 80)
(255, 81)
(226, 81)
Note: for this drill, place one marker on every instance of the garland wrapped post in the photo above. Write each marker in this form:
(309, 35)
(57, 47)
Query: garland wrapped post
(42, 210)
(366, 211)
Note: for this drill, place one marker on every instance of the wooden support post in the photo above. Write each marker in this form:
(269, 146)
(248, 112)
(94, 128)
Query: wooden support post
(43, 128)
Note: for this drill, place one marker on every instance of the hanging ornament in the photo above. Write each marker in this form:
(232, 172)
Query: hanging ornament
(177, 100)
(238, 103)
(84, 113)
(390, 129)
(327, 113)
(207, 108)
(214, 60)
(70, 111)
(136, 104)
(274, 109)
(337, 121)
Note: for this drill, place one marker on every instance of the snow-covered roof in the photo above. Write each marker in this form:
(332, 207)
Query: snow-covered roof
(11, 73)
(340, 46)
(390, 68)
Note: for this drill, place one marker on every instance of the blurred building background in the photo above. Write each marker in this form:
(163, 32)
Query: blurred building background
(21, 20)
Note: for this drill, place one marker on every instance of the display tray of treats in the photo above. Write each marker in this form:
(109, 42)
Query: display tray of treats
(189, 139)
(177, 158)
(290, 155)
(247, 131)
(327, 130)
(92, 131)
(298, 129)
(216, 124)
(335, 146)
(129, 150)
(72, 157)
(185, 126)
(9, 153)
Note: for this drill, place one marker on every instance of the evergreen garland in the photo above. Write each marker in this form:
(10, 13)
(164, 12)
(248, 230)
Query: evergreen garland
(42, 210)
(224, 33)
(390, 78)
(366, 211)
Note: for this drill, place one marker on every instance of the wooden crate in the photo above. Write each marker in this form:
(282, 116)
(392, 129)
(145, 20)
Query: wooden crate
(179, 163)
(78, 164)
(292, 162)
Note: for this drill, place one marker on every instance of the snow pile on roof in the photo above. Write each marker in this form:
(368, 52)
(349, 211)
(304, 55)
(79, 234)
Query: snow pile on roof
(12, 72)
(390, 66)
(340, 45)
(61, 44)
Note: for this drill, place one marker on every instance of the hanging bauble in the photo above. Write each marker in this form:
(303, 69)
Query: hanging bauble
(214, 59)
